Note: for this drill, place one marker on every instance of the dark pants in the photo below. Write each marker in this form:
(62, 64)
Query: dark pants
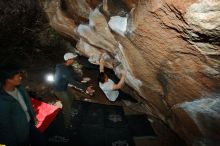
(125, 96)
(66, 99)
(35, 139)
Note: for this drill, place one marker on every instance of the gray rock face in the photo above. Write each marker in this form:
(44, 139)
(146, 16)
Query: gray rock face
(205, 113)
(204, 20)
(170, 49)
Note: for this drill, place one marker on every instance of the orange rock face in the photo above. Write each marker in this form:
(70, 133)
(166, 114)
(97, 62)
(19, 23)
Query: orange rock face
(170, 48)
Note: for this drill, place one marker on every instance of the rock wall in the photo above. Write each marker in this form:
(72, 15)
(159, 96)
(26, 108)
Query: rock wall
(24, 13)
(170, 48)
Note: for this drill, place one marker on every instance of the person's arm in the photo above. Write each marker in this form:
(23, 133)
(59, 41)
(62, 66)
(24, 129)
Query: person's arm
(28, 103)
(120, 84)
(78, 85)
(7, 135)
(64, 75)
(101, 64)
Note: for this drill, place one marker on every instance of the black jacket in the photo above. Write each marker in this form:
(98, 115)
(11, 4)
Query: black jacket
(65, 75)
(14, 127)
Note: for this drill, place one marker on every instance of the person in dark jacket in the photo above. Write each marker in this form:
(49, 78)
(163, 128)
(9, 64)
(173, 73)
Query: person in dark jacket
(17, 118)
(64, 77)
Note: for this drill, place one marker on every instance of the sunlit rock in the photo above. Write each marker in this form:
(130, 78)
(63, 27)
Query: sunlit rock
(86, 49)
(93, 53)
(118, 24)
(97, 32)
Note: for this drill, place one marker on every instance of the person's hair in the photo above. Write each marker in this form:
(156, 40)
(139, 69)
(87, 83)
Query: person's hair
(8, 71)
(101, 77)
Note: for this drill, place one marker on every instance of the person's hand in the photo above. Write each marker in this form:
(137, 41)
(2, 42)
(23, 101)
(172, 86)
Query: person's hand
(85, 80)
(123, 72)
(103, 55)
(101, 60)
(89, 90)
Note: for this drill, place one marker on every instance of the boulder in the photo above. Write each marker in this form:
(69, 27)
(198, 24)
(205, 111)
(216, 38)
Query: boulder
(170, 49)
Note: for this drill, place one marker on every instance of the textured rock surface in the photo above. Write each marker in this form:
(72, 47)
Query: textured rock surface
(170, 48)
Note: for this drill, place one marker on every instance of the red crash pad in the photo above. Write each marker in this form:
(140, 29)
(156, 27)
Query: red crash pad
(45, 113)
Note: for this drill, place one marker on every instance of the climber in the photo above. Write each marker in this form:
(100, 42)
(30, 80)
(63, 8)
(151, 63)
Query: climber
(111, 89)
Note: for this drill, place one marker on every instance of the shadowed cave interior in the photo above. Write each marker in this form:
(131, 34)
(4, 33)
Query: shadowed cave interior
(170, 51)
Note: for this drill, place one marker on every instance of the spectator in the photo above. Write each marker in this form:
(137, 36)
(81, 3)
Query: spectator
(64, 77)
(17, 118)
